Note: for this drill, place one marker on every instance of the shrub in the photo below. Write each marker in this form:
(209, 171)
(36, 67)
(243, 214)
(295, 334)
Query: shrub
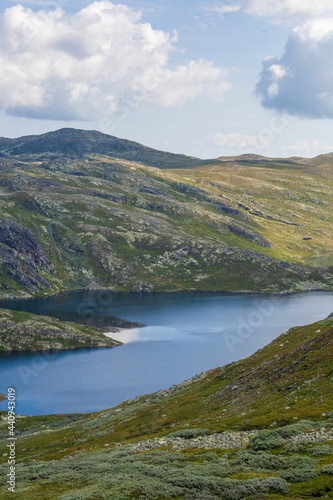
(301, 462)
(295, 447)
(84, 494)
(327, 469)
(276, 484)
(260, 460)
(299, 475)
(321, 451)
(275, 438)
(188, 433)
(267, 440)
(254, 486)
(294, 429)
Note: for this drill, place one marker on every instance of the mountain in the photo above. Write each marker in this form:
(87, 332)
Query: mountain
(99, 218)
(257, 428)
(74, 143)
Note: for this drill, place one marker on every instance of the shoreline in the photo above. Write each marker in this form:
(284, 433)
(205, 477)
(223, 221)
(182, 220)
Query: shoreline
(155, 292)
(122, 331)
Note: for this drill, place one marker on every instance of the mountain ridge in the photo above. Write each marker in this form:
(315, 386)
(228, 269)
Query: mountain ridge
(102, 221)
(78, 143)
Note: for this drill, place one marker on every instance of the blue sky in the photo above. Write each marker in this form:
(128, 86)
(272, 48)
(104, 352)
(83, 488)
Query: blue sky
(196, 77)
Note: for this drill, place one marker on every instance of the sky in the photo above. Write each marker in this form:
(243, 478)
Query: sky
(205, 78)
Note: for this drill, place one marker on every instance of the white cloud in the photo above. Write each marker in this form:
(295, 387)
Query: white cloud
(309, 147)
(300, 147)
(243, 142)
(318, 30)
(38, 2)
(176, 86)
(289, 11)
(277, 71)
(223, 8)
(301, 81)
(93, 63)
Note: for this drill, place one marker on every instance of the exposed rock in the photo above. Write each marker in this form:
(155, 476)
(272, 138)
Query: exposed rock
(143, 286)
(224, 440)
(249, 235)
(24, 242)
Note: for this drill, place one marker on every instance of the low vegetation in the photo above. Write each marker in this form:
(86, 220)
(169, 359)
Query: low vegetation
(82, 210)
(270, 413)
(21, 331)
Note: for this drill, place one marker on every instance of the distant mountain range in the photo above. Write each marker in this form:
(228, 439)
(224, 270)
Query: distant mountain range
(81, 209)
(78, 143)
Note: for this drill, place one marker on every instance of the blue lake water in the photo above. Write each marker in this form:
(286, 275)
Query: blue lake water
(184, 334)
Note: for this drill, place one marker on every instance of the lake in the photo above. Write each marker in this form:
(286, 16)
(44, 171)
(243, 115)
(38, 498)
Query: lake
(183, 334)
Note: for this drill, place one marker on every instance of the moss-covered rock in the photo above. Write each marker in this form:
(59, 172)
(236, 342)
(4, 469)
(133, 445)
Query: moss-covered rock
(21, 331)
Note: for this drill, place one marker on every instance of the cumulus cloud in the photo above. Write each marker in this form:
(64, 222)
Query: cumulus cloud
(93, 63)
(301, 81)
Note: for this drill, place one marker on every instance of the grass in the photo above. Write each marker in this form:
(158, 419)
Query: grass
(283, 391)
(99, 226)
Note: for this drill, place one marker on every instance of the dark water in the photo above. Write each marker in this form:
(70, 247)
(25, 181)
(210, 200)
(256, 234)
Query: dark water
(184, 334)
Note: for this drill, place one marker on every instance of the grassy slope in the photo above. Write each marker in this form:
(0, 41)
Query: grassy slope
(115, 223)
(21, 331)
(290, 201)
(286, 381)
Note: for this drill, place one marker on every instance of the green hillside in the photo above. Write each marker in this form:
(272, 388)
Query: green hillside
(22, 331)
(84, 210)
(258, 428)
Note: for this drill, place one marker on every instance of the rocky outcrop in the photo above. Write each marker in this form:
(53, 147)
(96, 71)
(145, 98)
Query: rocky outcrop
(224, 440)
(24, 243)
(249, 235)
(21, 258)
(142, 287)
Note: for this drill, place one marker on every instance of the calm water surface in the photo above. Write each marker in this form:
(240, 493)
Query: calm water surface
(184, 334)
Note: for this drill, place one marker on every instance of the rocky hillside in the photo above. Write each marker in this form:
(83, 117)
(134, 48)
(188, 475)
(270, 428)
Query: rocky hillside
(84, 210)
(21, 331)
(74, 143)
(260, 428)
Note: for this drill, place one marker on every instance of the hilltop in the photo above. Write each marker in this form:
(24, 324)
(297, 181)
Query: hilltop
(259, 428)
(74, 143)
(81, 209)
